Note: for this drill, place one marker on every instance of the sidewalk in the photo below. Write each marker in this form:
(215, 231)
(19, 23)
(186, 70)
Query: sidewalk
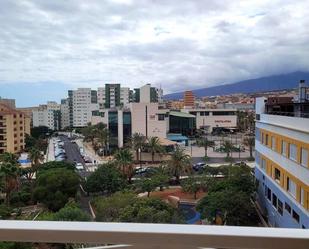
(50, 156)
(90, 152)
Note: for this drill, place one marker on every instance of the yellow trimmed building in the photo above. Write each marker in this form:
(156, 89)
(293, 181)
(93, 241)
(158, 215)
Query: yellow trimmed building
(282, 161)
(14, 125)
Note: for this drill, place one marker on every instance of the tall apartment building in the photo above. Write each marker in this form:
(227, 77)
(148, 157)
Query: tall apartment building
(9, 102)
(81, 103)
(65, 113)
(113, 95)
(48, 115)
(189, 99)
(147, 94)
(14, 125)
(282, 160)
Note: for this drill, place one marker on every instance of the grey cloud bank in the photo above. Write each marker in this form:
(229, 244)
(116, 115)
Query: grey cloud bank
(177, 44)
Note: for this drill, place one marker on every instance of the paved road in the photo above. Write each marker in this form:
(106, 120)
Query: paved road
(73, 155)
(72, 151)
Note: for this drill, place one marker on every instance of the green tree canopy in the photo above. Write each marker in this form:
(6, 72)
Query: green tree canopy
(55, 186)
(70, 212)
(230, 198)
(9, 175)
(109, 208)
(107, 179)
(150, 210)
(56, 165)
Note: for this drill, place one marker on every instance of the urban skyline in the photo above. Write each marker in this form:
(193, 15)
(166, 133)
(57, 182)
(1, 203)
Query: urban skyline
(132, 45)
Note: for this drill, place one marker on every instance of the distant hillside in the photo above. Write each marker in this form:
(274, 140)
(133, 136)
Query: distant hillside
(269, 83)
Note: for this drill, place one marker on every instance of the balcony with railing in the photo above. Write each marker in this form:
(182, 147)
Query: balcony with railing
(149, 236)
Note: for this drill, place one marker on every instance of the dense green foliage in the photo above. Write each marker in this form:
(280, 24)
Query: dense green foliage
(9, 174)
(193, 184)
(150, 210)
(70, 212)
(109, 208)
(230, 198)
(39, 132)
(54, 187)
(107, 179)
(56, 165)
(98, 135)
(15, 245)
(126, 207)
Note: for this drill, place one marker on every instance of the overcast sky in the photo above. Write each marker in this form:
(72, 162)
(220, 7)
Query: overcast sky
(173, 43)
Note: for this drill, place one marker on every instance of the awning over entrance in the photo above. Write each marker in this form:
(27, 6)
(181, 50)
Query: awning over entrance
(181, 114)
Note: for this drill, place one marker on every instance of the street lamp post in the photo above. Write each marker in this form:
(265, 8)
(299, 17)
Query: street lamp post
(140, 157)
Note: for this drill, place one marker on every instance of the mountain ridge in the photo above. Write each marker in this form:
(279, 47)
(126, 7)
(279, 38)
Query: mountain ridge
(265, 83)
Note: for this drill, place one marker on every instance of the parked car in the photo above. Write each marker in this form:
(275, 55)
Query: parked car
(198, 166)
(79, 166)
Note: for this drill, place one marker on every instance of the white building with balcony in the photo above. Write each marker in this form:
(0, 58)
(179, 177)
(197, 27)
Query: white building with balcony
(282, 161)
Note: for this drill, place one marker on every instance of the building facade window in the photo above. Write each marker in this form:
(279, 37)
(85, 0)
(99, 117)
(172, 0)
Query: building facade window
(266, 140)
(161, 117)
(287, 207)
(295, 216)
(304, 157)
(280, 207)
(269, 194)
(291, 187)
(302, 196)
(277, 175)
(273, 143)
(274, 200)
(293, 152)
(263, 164)
(283, 148)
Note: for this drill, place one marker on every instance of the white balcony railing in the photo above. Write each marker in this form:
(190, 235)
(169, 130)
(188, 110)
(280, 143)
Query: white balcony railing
(151, 236)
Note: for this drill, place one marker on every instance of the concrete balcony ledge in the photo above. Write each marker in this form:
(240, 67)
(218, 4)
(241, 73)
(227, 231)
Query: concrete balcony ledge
(135, 235)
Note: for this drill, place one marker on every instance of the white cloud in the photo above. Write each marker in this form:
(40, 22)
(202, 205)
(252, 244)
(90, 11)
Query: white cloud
(178, 44)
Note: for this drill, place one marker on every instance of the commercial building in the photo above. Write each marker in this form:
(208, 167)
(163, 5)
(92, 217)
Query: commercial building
(282, 160)
(48, 115)
(14, 125)
(211, 119)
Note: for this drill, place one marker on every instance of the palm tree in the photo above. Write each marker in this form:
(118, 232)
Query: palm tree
(124, 160)
(179, 163)
(36, 158)
(9, 171)
(250, 142)
(227, 147)
(154, 146)
(138, 142)
(204, 142)
(102, 135)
